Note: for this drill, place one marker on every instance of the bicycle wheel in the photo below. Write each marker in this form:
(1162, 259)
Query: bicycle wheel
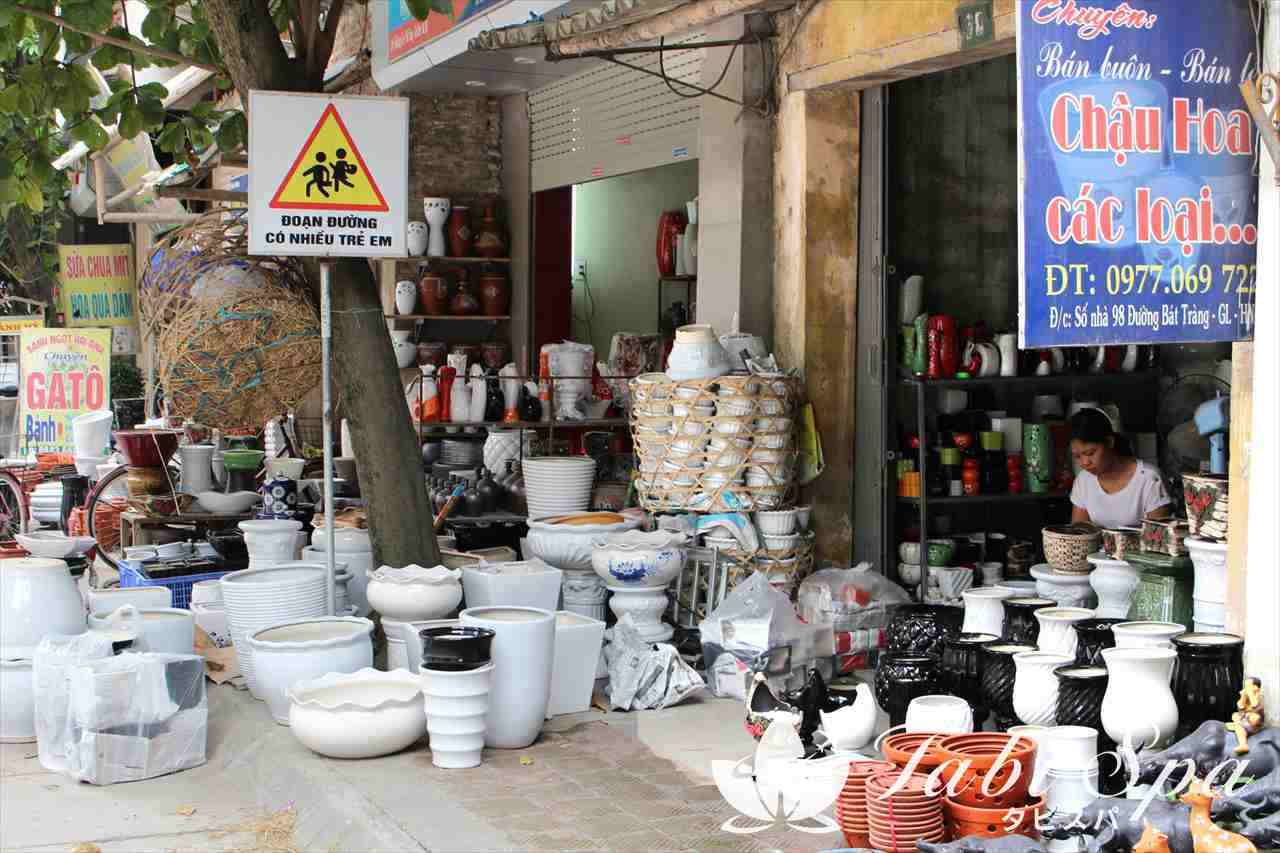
(15, 513)
(102, 515)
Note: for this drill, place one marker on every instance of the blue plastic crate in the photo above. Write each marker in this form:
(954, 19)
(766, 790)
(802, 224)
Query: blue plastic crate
(133, 573)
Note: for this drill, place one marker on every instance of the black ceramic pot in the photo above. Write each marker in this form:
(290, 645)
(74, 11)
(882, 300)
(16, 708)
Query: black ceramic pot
(962, 671)
(1080, 691)
(901, 677)
(1020, 623)
(998, 675)
(1094, 635)
(922, 628)
(455, 648)
(1206, 678)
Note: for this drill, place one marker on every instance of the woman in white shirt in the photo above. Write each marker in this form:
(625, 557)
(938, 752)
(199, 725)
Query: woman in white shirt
(1113, 488)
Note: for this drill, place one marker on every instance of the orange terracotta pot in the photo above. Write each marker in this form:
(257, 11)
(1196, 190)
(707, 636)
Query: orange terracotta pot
(901, 747)
(981, 783)
(965, 820)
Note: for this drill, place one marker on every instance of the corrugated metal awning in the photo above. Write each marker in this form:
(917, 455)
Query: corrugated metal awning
(594, 19)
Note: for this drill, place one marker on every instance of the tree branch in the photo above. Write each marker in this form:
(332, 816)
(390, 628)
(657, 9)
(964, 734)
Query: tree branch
(101, 38)
(252, 50)
(325, 38)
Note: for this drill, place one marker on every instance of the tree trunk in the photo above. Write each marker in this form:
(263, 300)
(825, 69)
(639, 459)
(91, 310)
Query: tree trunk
(387, 449)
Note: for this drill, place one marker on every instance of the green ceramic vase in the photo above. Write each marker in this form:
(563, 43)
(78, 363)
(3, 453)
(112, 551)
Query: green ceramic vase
(921, 353)
(1037, 450)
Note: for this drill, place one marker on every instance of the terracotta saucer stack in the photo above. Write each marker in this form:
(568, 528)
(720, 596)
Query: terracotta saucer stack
(992, 797)
(851, 807)
(899, 820)
(900, 749)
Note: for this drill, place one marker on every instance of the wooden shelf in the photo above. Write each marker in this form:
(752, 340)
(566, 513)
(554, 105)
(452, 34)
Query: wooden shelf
(589, 422)
(684, 278)
(1053, 381)
(491, 318)
(1022, 497)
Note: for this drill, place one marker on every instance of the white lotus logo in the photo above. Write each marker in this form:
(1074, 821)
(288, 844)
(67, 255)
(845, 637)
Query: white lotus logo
(780, 788)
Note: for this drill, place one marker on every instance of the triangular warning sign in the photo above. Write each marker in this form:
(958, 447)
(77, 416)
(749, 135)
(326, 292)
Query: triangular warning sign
(329, 173)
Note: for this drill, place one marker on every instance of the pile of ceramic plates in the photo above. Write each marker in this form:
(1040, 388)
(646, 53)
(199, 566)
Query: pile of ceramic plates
(46, 502)
(262, 598)
(898, 820)
(558, 485)
(461, 453)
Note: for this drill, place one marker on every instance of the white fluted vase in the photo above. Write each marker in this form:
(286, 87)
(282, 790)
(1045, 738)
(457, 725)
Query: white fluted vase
(1138, 708)
(1035, 687)
(984, 609)
(1209, 598)
(1114, 581)
(1058, 629)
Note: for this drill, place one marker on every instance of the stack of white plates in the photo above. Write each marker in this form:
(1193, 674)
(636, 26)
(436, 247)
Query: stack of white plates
(46, 502)
(558, 485)
(262, 598)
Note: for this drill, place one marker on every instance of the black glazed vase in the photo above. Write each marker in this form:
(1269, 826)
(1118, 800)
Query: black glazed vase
(1092, 636)
(1080, 691)
(962, 671)
(1020, 623)
(455, 648)
(922, 628)
(1207, 678)
(998, 675)
(903, 676)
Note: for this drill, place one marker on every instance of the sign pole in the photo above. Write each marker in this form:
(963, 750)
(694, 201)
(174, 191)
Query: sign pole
(326, 351)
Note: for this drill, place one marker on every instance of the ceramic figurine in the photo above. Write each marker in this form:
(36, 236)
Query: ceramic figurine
(764, 709)
(1257, 807)
(1117, 829)
(1211, 745)
(1250, 718)
(811, 700)
(1152, 840)
(1208, 836)
(982, 844)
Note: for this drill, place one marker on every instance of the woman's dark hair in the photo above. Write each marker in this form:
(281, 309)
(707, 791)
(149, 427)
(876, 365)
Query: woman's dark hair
(1094, 427)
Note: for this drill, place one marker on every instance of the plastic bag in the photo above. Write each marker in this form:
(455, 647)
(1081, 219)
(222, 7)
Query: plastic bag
(848, 599)
(644, 676)
(751, 620)
(54, 658)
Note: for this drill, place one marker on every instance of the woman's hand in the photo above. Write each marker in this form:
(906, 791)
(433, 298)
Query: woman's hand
(1080, 515)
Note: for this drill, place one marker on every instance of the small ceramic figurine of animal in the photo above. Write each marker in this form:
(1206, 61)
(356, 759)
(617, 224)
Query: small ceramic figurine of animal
(1248, 720)
(1208, 836)
(1152, 840)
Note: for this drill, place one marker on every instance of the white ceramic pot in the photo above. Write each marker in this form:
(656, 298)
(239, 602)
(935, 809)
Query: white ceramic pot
(270, 542)
(406, 298)
(646, 604)
(17, 697)
(1008, 344)
(1057, 629)
(1070, 748)
(568, 546)
(984, 610)
(1114, 582)
(284, 655)
(1146, 634)
(992, 573)
(939, 713)
(457, 707)
(635, 558)
(103, 601)
(1210, 591)
(557, 485)
(197, 468)
(1066, 589)
(413, 592)
(697, 354)
(573, 673)
(911, 299)
(404, 645)
(1035, 687)
(953, 581)
(909, 574)
(529, 583)
(38, 597)
(360, 714)
(1039, 769)
(436, 211)
(359, 563)
(212, 619)
(584, 593)
(500, 447)
(417, 236)
(91, 432)
(523, 654)
(169, 630)
(1138, 708)
(255, 599)
(853, 726)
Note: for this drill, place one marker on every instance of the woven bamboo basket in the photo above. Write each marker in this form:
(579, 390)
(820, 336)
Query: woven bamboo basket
(715, 445)
(1067, 547)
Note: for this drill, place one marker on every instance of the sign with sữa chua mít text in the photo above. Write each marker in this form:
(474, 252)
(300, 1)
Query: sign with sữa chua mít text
(96, 285)
(1138, 214)
(328, 176)
(62, 373)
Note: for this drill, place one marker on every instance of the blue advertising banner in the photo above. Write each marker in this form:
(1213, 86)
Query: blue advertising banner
(1138, 204)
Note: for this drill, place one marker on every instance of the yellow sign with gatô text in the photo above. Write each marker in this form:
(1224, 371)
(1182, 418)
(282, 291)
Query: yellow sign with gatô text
(64, 373)
(97, 287)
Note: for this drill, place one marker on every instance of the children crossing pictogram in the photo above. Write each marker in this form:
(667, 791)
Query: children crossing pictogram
(329, 173)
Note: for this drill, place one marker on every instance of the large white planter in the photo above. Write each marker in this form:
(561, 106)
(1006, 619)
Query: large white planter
(91, 432)
(638, 559)
(357, 564)
(1114, 582)
(1138, 707)
(939, 713)
(414, 593)
(104, 601)
(523, 654)
(362, 714)
(286, 654)
(568, 546)
(17, 698)
(1066, 589)
(1035, 687)
(573, 674)
(529, 583)
(457, 707)
(1145, 634)
(1039, 770)
(261, 598)
(404, 646)
(584, 593)
(984, 610)
(270, 542)
(557, 485)
(197, 468)
(168, 630)
(1210, 591)
(646, 605)
(38, 597)
(1057, 629)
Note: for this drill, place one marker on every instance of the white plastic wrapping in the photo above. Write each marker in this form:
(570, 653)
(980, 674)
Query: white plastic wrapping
(646, 676)
(54, 658)
(125, 718)
(753, 618)
(848, 599)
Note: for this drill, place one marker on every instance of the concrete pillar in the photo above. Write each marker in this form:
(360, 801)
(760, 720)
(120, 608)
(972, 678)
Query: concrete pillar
(1262, 581)
(815, 199)
(735, 256)
(517, 197)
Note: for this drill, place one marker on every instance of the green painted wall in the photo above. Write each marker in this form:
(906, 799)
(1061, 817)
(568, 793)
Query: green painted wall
(615, 226)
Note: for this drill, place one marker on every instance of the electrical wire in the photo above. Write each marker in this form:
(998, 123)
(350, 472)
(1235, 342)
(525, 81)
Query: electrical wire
(662, 69)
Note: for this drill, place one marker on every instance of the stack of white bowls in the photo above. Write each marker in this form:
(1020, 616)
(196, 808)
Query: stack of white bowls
(558, 485)
(91, 432)
(261, 598)
(46, 502)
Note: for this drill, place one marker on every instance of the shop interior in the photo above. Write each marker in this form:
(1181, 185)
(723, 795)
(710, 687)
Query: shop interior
(951, 227)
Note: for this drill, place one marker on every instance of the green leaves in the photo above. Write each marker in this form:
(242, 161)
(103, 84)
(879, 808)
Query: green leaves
(421, 8)
(233, 133)
(90, 132)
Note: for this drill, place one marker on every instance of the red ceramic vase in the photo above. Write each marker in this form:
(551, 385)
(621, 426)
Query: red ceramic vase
(433, 292)
(495, 298)
(458, 230)
(671, 224)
